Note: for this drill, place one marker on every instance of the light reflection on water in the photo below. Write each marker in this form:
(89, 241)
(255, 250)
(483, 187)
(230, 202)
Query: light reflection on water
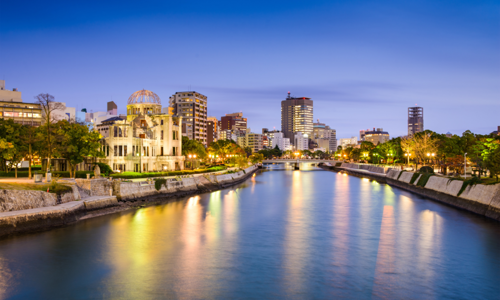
(281, 234)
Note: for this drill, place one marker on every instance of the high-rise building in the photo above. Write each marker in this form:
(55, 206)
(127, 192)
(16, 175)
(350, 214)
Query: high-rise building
(325, 137)
(415, 120)
(13, 107)
(296, 116)
(192, 107)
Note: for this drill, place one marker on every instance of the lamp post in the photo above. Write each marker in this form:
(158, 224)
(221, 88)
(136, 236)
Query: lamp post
(408, 155)
(465, 166)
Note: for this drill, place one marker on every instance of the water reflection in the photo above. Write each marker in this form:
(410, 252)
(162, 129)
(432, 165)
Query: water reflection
(283, 234)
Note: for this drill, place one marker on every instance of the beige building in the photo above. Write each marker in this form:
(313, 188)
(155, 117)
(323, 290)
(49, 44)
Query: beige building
(377, 136)
(148, 140)
(13, 107)
(192, 107)
(252, 140)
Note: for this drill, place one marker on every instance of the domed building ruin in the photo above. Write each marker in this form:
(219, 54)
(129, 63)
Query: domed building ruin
(148, 140)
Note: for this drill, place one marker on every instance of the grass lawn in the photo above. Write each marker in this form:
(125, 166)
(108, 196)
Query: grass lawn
(53, 188)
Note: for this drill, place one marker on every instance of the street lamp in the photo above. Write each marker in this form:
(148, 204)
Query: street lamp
(465, 166)
(408, 155)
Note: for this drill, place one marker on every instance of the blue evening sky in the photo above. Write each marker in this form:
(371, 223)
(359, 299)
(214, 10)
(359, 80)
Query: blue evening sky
(362, 62)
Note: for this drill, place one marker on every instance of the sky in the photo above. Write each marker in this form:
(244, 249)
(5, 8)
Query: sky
(363, 63)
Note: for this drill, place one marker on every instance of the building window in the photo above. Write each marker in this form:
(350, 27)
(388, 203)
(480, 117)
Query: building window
(107, 154)
(174, 151)
(115, 131)
(161, 151)
(147, 149)
(120, 151)
(161, 122)
(133, 150)
(125, 150)
(116, 150)
(120, 132)
(162, 134)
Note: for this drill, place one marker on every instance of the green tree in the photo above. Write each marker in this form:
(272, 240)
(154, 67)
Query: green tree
(256, 158)
(48, 106)
(248, 151)
(193, 147)
(493, 163)
(75, 142)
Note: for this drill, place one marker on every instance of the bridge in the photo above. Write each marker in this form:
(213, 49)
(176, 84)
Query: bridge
(303, 160)
(296, 162)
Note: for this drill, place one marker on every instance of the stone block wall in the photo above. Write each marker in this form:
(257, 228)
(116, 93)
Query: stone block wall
(11, 200)
(406, 177)
(95, 187)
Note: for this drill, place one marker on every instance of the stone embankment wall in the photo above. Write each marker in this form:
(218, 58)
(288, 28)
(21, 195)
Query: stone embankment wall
(95, 187)
(12, 200)
(480, 198)
(369, 168)
(41, 212)
(131, 191)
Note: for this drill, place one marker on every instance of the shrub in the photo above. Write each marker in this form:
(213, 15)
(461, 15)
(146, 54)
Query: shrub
(159, 182)
(130, 175)
(414, 177)
(423, 179)
(105, 168)
(426, 169)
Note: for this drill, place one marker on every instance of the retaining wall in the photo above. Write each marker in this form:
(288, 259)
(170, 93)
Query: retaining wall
(480, 199)
(132, 191)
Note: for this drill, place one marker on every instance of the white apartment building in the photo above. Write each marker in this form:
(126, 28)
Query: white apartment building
(351, 142)
(281, 141)
(301, 141)
(192, 107)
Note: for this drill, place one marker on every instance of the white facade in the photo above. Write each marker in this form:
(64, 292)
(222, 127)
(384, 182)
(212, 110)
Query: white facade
(64, 113)
(281, 141)
(351, 142)
(9, 96)
(301, 141)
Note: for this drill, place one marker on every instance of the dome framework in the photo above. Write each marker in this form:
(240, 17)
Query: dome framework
(144, 96)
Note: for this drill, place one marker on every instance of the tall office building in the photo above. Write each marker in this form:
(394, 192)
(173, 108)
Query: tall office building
(415, 120)
(296, 116)
(192, 107)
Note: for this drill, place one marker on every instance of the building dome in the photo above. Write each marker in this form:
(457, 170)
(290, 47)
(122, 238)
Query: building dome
(144, 96)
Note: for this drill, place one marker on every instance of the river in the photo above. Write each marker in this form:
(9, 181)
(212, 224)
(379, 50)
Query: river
(281, 234)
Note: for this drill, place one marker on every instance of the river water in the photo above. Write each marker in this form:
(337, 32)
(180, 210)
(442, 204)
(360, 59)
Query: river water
(281, 234)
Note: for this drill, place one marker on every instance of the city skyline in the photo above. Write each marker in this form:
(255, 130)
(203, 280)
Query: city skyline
(250, 56)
